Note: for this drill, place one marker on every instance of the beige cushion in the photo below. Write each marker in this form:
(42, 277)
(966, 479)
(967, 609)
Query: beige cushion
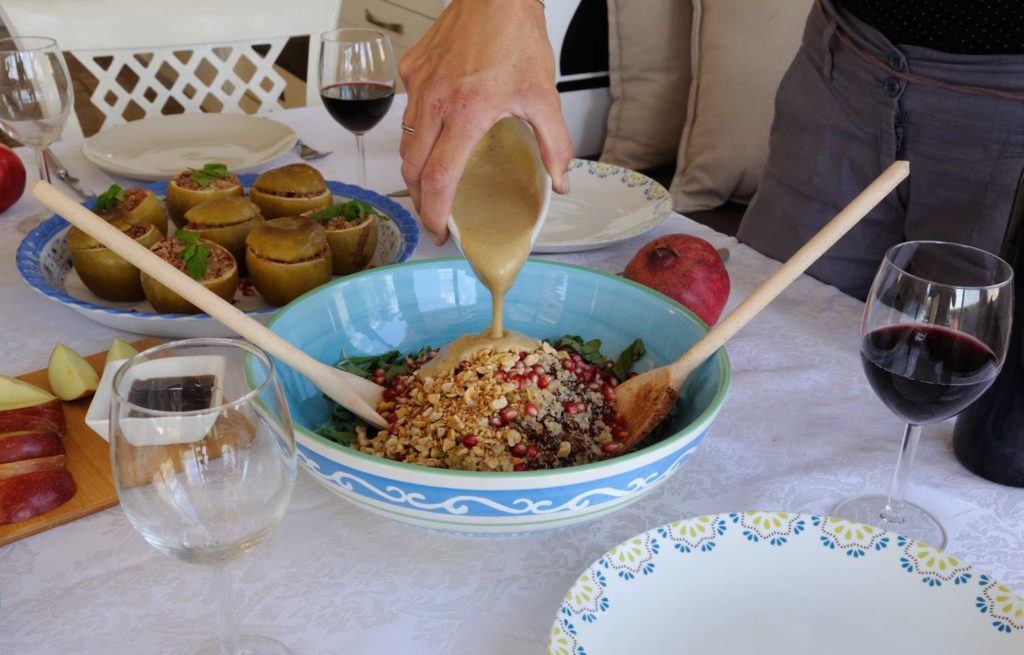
(741, 49)
(649, 48)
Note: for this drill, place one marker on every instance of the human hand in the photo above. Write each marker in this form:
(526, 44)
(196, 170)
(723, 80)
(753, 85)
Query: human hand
(481, 61)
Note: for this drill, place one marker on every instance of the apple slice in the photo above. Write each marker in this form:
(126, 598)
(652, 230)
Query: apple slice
(120, 349)
(16, 446)
(35, 493)
(46, 417)
(15, 393)
(23, 466)
(71, 377)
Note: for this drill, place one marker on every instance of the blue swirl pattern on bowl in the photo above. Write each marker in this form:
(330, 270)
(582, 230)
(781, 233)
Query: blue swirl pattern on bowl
(432, 302)
(43, 261)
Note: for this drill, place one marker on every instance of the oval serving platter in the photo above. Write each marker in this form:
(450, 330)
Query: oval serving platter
(777, 583)
(44, 262)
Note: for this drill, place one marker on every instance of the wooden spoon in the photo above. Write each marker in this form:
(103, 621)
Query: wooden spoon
(647, 399)
(350, 391)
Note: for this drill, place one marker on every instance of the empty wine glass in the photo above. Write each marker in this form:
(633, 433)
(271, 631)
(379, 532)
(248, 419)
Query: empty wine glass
(204, 459)
(357, 82)
(935, 332)
(35, 97)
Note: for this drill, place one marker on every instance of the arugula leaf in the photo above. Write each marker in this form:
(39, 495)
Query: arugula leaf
(109, 198)
(342, 426)
(205, 176)
(352, 210)
(196, 254)
(624, 362)
(365, 366)
(589, 350)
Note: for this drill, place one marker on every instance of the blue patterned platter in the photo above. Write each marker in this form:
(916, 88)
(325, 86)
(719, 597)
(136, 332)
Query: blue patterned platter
(606, 205)
(775, 583)
(45, 263)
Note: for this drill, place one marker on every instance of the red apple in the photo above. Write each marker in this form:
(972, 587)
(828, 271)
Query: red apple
(16, 446)
(34, 493)
(12, 177)
(685, 268)
(26, 466)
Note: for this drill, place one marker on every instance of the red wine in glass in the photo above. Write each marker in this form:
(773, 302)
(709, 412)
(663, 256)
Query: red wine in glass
(358, 106)
(927, 373)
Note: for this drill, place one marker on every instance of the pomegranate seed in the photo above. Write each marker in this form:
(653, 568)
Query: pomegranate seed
(608, 392)
(568, 365)
(587, 376)
(538, 369)
(610, 447)
(571, 408)
(609, 365)
(533, 377)
(531, 452)
(519, 449)
(500, 376)
(523, 382)
(400, 389)
(393, 428)
(621, 435)
(379, 373)
(521, 466)
(544, 381)
(522, 354)
(469, 440)
(576, 358)
(496, 421)
(531, 409)
(389, 394)
(594, 386)
(612, 380)
(620, 418)
(399, 457)
(508, 415)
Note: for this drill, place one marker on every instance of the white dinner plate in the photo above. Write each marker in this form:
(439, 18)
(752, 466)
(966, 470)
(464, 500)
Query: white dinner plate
(774, 583)
(606, 205)
(158, 148)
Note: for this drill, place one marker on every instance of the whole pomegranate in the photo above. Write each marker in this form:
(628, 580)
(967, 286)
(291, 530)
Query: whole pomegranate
(685, 268)
(12, 177)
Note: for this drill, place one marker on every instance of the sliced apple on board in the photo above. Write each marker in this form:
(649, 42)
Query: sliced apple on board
(71, 377)
(26, 407)
(120, 349)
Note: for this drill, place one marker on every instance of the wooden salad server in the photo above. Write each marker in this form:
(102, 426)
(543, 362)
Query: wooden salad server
(350, 391)
(646, 399)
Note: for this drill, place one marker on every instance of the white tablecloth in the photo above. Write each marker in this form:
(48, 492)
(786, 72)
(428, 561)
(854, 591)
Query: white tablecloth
(800, 431)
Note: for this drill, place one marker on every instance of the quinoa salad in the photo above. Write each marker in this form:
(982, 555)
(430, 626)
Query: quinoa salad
(515, 410)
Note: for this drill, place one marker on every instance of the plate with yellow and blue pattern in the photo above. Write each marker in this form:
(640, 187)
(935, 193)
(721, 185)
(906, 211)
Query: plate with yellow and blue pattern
(778, 583)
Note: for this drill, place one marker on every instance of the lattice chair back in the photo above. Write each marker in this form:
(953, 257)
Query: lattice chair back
(151, 57)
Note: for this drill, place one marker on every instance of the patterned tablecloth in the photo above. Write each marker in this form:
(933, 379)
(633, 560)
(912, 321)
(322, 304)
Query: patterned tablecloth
(800, 431)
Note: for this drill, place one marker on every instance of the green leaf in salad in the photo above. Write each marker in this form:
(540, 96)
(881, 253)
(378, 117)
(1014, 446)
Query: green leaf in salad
(205, 176)
(627, 358)
(109, 198)
(365, 366)
(590, 351)
(342, 427)
(196, 254)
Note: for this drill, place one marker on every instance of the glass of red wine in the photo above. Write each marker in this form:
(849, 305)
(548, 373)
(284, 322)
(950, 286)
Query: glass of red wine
(935, 333)
(357, 81)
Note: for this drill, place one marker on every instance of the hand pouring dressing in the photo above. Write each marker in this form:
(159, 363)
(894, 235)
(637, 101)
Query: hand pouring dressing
(499, 209)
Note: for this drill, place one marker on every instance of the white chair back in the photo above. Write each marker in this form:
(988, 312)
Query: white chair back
(149, 55)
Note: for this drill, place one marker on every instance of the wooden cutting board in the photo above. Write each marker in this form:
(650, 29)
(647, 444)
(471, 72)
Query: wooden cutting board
(88, 458)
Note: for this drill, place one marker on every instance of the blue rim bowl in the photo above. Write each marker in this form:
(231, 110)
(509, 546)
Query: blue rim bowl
(431, 302)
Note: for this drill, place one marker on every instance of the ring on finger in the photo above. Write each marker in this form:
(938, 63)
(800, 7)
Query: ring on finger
(407, 129)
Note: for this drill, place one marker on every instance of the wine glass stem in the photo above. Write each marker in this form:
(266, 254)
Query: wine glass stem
(361, 154)
(44, 170)
(893, 510)
(225, 610)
